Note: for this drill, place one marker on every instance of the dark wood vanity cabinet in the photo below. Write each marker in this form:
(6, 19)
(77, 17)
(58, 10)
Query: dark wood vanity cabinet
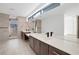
(31, 40)
(36, 46)
(52, 51)
(24, 36)
(55, 51)
(41, 48)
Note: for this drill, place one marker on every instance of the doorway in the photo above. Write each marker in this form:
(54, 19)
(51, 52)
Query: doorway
(13, 28)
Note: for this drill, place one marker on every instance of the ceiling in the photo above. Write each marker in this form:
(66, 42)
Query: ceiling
(18, 9)
(61, 10)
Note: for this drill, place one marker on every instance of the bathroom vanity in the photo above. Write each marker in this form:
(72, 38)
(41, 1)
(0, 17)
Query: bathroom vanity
(24, 35)
(43, 45)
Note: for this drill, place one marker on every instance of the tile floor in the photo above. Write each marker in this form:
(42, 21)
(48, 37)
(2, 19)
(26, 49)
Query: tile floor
(15, 47)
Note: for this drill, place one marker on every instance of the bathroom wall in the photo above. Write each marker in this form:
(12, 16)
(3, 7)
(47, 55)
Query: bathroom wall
(4, 26)
(53, 23)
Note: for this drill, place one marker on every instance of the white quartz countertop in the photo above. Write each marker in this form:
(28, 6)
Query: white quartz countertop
(25, 31)
(61, 43)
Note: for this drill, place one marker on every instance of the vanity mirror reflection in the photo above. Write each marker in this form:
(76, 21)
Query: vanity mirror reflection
(36, 26)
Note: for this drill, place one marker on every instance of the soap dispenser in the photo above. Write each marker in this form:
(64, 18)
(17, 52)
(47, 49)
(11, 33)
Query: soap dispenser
(47, 34)
(51, 33)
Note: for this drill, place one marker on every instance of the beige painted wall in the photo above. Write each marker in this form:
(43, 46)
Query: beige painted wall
(4, 26)
(4, 20)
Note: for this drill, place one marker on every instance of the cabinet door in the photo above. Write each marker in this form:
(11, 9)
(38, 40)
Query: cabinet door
(37, 46)
(52, 51)
(31, 42)
(55, 51)
(43, 48)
